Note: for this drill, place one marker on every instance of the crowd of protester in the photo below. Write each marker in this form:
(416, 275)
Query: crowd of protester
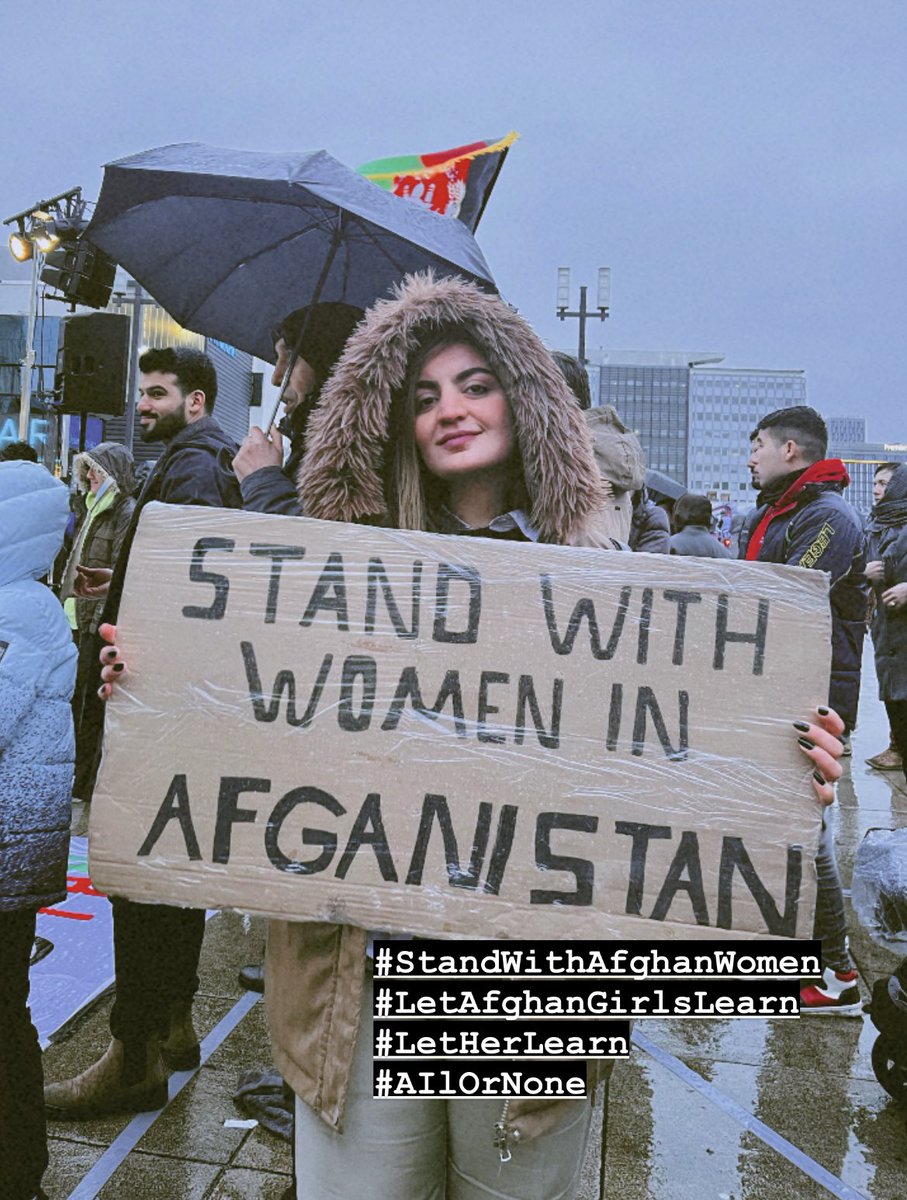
(412, 416)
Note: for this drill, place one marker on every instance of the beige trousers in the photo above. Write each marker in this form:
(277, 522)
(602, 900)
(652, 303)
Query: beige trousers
(413, 1149)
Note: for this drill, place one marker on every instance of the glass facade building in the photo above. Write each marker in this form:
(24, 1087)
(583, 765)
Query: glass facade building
(846, 431)
(654, 401)
(725, 406)
(694, 418)
(12, 354)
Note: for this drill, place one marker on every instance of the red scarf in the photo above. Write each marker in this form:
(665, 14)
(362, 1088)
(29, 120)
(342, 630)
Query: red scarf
(826, 470)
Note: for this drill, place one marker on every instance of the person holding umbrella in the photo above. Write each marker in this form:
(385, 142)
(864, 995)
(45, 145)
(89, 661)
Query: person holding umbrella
(306, 350)
(309, 351)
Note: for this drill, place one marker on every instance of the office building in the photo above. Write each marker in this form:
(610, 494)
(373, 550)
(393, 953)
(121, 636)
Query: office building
(693, 417)
(846, 431)
(651, 391)
(726, 404)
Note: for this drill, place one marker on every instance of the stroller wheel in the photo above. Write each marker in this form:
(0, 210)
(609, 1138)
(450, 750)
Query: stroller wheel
(889, 1068)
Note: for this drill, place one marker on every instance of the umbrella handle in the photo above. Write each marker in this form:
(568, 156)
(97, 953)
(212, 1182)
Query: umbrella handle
(333, 247)
(283, 387)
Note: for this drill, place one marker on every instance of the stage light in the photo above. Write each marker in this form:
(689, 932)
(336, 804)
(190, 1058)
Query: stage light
(46, 237)
(20, 246)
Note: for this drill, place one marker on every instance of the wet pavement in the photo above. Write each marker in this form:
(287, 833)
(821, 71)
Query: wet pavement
(704, 1110)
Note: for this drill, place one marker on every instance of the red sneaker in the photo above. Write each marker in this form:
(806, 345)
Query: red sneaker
(836, 994)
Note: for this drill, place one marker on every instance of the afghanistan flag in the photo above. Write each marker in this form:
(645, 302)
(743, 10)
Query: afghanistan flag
(455, 183)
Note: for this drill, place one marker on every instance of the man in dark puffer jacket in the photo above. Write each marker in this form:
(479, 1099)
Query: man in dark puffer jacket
(803, 521)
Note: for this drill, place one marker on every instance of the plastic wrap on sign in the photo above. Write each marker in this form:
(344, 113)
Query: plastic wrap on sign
(447, 735)
(879, 890)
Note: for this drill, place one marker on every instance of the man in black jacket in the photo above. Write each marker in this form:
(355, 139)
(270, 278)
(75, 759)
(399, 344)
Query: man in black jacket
(156, 946)
(268, 484)
(802, 520)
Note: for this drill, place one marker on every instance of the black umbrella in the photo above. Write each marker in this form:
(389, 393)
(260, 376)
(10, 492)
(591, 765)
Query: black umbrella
(663, 485)
(230, 241)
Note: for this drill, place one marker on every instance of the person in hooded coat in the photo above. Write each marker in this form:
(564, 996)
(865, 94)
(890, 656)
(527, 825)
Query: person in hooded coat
(888, 759)
(887, 572)
(515, 462)
(447, 414)
(618, 452)
(37, 674)
(105, 475)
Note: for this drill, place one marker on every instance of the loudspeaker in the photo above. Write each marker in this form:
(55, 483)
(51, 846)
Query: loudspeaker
(81, 272)
(92, 356)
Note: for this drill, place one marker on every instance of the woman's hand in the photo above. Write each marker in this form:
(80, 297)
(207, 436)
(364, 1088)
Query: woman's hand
(112, 665)
(821, 743)
(895, 597)
(875, 571)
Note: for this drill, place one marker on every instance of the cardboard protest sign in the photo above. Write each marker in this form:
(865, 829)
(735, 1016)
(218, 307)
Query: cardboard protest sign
(429, 734)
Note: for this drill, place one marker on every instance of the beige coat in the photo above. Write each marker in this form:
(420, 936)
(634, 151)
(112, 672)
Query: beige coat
(315, 971)
(622, 466)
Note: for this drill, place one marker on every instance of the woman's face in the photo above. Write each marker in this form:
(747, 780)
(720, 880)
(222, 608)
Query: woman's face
(880, 484)
(94, 480)
(462, 418)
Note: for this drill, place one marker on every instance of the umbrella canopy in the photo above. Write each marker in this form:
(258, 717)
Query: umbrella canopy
(230, 241)
(664, 485)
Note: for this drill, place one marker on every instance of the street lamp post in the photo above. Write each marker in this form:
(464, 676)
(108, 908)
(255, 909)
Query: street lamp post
(583, 313)
(28, 361)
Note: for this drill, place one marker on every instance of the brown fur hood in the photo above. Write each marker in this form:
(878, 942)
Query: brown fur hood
(341, 477)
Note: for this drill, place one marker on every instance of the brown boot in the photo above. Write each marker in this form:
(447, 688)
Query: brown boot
(105, 1087)
(888, 760)
(180, 1050)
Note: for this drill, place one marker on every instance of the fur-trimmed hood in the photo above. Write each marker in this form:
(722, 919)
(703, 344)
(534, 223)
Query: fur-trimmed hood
(342, 475)
(111, 461)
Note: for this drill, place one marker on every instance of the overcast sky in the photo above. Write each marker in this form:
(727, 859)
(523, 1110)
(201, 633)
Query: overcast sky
(741, 165)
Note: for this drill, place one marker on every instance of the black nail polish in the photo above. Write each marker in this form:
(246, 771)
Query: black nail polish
(806, 743)
(118, 666)
(802, 726)
(819, 778)
(823, 711)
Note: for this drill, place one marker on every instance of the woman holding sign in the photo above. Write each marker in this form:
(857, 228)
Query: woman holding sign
(445, 414)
